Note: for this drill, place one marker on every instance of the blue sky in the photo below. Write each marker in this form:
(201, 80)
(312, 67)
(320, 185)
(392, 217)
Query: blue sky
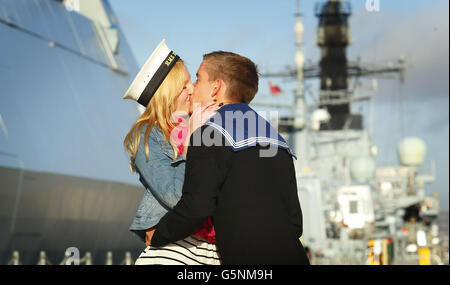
(263, 30)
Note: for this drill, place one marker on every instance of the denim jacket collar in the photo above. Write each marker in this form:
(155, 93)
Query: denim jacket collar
(166, 147)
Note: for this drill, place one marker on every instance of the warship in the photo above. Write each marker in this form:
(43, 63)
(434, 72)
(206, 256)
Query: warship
(65, 181)
(66, 192)
(355, 211)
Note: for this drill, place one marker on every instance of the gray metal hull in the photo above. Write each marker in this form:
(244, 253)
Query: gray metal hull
(64, 174)
(52, 212)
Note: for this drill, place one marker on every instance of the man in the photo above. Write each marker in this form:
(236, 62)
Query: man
(234, 175)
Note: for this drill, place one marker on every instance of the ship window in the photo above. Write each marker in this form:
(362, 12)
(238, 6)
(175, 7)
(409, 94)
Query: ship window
(353, 207)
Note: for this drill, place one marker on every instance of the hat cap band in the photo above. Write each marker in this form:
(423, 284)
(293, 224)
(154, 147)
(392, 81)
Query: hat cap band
(158, 78)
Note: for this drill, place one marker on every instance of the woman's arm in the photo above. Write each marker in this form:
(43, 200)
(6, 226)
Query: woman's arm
(164, 176)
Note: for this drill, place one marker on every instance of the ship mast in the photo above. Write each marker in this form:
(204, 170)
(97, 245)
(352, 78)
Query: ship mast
(300, 119)
(300, 110)
(333, 37)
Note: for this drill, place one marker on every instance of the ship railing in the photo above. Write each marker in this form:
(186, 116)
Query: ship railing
(67, 260)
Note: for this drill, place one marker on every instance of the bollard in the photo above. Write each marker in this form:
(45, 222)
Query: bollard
(66, 256)
(109, 258)
(87, 258)
(128, 260)
(15, 259)
(42, 258)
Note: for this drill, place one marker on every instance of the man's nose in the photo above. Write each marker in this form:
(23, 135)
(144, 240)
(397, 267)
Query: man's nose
(190, 89)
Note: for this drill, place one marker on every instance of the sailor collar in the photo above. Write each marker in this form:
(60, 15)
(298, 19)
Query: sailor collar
(242, 127)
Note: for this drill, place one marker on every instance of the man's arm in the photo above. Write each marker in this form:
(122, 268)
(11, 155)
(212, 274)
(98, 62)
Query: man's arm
(206, 168)
(295, 211)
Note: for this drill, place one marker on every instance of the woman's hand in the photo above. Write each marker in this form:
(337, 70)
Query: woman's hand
(200, 115)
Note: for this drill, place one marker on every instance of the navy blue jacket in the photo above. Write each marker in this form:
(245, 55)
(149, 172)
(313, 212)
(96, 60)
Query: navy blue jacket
(251, 197)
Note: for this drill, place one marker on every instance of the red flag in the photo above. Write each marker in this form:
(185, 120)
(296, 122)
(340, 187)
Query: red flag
(274, 89)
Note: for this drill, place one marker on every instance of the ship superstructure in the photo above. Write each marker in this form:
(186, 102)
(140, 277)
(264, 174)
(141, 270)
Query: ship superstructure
(354, 211)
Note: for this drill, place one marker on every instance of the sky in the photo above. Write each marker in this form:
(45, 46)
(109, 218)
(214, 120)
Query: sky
(263, 30)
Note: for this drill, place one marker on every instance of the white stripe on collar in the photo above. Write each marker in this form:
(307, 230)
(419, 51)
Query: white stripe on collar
(248, 141)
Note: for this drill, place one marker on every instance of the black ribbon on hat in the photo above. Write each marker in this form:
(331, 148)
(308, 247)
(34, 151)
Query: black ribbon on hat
(158, 78)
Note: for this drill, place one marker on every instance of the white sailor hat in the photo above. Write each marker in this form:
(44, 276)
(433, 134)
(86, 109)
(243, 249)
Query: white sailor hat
(152, 74)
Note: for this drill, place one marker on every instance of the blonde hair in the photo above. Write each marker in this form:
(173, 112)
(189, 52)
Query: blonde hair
(158, 113)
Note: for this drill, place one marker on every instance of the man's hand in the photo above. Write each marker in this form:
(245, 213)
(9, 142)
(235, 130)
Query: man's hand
(148, 236)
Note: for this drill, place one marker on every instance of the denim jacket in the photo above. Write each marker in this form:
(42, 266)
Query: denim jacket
(162, 177)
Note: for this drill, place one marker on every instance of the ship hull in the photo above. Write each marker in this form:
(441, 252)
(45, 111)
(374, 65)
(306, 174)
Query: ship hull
(64, 174)
(52, 212)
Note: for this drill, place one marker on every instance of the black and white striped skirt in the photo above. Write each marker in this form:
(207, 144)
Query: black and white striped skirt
(189, 251)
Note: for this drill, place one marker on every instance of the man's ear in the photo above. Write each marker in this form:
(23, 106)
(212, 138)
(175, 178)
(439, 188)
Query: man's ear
(217, 85)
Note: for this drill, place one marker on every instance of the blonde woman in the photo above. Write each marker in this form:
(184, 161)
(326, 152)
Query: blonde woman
(157, 146)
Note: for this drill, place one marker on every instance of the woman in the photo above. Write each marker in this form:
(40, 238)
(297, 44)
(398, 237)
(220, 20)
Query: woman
(157, 146)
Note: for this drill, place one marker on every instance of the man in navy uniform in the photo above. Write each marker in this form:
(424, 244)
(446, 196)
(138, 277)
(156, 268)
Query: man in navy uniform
(240, 172)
